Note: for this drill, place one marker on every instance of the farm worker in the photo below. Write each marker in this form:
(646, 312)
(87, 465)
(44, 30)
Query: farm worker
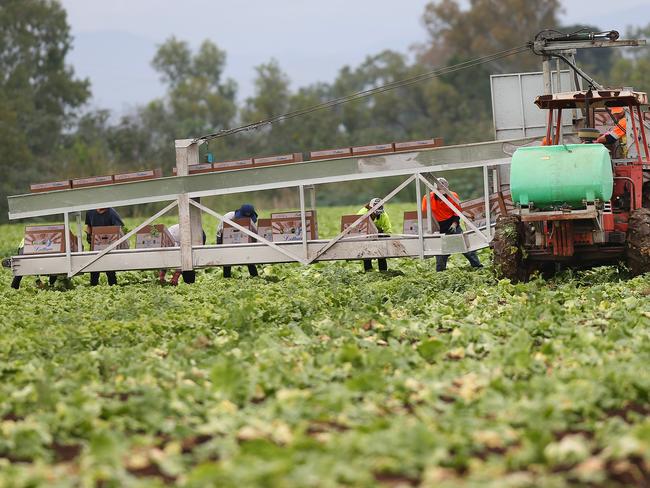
(99, 218)
(618, 133)
(245, 211)
(15, 282)
(175, 231)
(448, 221)
(382, 222)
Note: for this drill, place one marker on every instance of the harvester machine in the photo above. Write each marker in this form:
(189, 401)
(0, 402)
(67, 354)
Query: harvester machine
(584, 204)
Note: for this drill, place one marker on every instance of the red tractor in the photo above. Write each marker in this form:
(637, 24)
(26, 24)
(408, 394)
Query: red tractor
(584, 204)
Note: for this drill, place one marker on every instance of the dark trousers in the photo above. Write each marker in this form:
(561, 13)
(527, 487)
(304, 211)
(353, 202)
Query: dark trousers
(15, 282)
(227, 270)
(441, 261)
(381, 262)
(110, 275)
(252, 269)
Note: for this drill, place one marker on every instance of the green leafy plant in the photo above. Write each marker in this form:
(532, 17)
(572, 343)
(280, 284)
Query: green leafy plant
(327, 376)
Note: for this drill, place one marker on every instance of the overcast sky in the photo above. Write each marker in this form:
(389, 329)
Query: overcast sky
(312, 39)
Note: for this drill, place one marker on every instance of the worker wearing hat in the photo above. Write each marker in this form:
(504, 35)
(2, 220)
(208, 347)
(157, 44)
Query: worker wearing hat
(381, 220)
(448, 220)
(618, 133)
(245, 211)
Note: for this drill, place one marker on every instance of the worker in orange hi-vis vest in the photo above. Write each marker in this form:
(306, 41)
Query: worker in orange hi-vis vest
(618, 133)
(448, 221)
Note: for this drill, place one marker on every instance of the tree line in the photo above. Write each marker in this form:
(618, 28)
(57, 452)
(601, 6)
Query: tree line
(47, 132)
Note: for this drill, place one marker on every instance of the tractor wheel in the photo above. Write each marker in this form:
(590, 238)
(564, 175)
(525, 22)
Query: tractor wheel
(646, 195)
(507, 249)
(637, 244)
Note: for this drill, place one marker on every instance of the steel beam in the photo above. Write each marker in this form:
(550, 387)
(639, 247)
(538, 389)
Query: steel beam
(351, 248)
(555, 46)
(263, 178)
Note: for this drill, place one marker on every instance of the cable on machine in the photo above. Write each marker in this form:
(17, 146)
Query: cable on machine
(369, 92)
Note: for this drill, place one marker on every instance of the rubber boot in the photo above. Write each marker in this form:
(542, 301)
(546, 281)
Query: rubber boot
(189, 277)
(112, 278)
(175, 276)
(15, 283)
(94, 279)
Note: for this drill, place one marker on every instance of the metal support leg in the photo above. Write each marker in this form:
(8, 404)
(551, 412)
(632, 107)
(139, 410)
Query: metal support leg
(418, 199)
(429, 215)
(80, 240)
(559, 90)
(546, 75)
(187, 154)
(486, 196)
(312, 196)
(185, 232)
(303, 221)
(68, 251)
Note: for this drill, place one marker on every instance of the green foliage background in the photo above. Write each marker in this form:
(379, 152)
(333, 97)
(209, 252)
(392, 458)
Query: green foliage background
(47, 131)
(326, 376)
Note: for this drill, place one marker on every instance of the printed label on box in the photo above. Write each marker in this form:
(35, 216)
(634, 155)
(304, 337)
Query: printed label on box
(152, 237)
(42, 239)
(331, 153)
(265, 229)
(139, 175)
(232, 235)
(425, 143)
(104, 236)
(411, 223)
(233, 164)
(287, 226)
(92, 181)
(53, 185)
(364, 228)
(378, 148)
(285, 158)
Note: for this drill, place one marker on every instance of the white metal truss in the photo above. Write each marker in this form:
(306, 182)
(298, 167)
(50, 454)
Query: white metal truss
(427, 243)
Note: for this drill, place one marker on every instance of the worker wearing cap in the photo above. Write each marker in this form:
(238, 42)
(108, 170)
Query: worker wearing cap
(245, 211)
(448, 221)
(618, 133)
(381, 220)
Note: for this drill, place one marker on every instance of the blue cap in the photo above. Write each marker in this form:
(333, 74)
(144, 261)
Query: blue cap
(246, 210)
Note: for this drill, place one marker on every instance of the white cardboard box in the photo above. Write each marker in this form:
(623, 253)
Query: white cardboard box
(287, 226)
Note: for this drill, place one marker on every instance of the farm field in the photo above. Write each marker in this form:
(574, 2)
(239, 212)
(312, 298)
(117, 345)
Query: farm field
(325, 376)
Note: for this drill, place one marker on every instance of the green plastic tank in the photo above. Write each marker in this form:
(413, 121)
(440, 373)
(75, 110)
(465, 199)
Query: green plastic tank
(550, 176)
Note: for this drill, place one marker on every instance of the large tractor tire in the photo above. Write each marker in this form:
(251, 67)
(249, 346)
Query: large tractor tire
(507, 249)
(637, 244)
(646, 195)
